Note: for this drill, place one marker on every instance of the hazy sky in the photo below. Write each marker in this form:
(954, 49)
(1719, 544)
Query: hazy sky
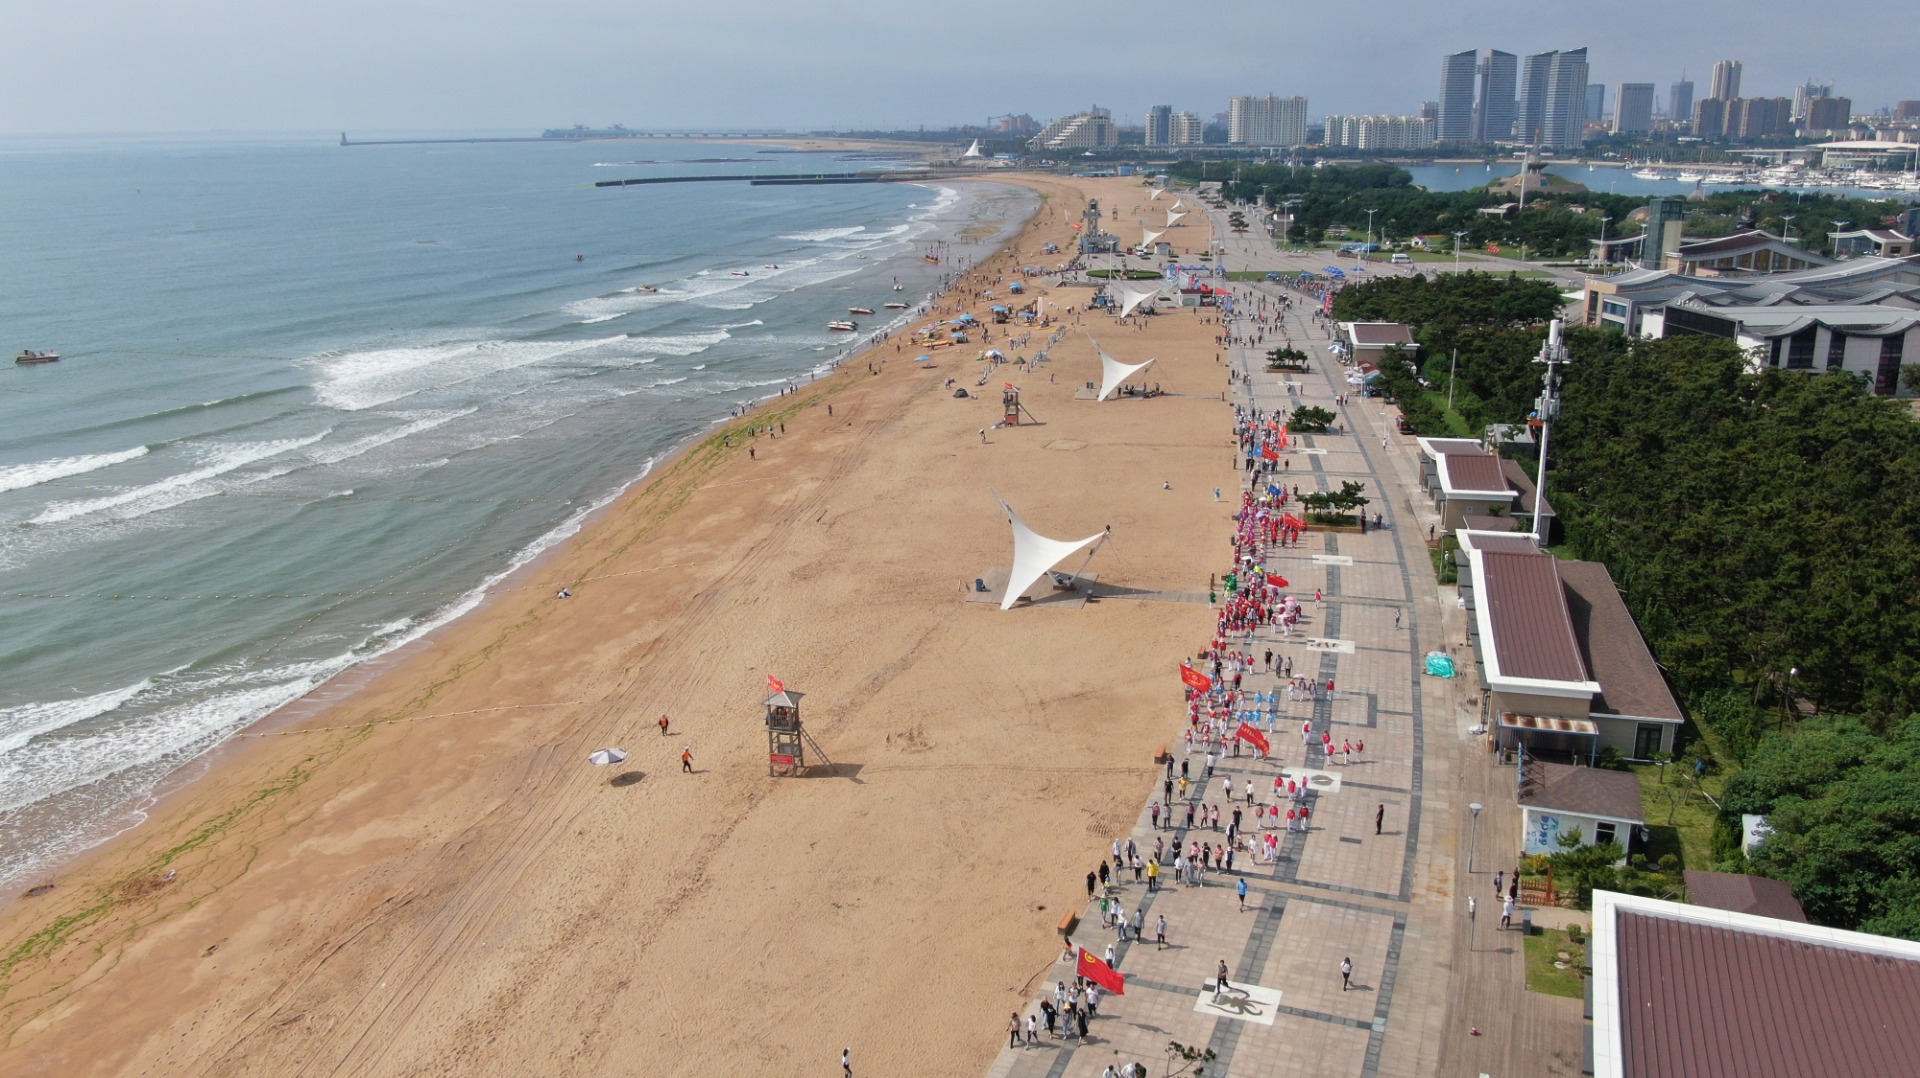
(367, 65)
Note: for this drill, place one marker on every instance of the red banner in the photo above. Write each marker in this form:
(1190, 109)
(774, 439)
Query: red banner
(1100, 973)
(1194, 678)
(1267, 452)
(1277, 580)
(780, 759)
(774, 684)
(1252, 737)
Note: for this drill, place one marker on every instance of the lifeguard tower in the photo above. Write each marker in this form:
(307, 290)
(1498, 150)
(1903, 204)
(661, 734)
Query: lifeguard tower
(1010, 407)
(787, 737)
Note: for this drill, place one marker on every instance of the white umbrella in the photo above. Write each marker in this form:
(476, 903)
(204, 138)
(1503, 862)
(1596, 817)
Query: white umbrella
(607, 756)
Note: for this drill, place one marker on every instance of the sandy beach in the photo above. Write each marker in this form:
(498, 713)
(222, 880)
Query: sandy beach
(424, 875)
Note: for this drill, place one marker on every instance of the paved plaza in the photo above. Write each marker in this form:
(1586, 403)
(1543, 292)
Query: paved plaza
(1422, 977)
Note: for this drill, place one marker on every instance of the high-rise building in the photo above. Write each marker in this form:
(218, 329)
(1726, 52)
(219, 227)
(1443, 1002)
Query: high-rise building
(1188, 129)
(1829, 113)
(1160, 125)
(1633, 109)
(1089, 130)
(1665, 217)
(1710, 118)
(1457, 76)
(1553, 99)
(1493, 111)
(1530, 109)
(1680, 101)
(1806, 94)
(1430, 110)
(1726, 80)
(1596, 107)
(1906, 110)
(1380, 132)
(1759, 117)
(1267, 121)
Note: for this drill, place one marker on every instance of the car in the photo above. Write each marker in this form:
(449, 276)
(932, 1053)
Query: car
(1400, 424)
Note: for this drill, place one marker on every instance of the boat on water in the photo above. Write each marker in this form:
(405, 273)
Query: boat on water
(1649, 174)
(741, 273)
(859, 310)
(841, 325)
(896, 307)
(896, 285)
(30, 356)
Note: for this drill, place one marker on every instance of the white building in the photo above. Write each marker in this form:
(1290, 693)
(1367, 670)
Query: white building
(1188, 129)
(1089, 130)
(1559, 799)
(1267, 121)
(1381, 132)
(1870, 340)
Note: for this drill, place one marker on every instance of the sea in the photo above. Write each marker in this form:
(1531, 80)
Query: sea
(317, 400)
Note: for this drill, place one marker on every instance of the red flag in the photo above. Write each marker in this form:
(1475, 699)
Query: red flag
(774, 684)
(1194, 678)
(1276, 580)
(1252, 737)
(1267, 452)
(1100, 973)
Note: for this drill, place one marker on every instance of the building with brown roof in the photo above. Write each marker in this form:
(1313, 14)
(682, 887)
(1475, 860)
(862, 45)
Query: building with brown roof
(1563, 668)
(1682, 991)
(1367, 340)
(1742, 893)
(1559, 799)
(1464, 480)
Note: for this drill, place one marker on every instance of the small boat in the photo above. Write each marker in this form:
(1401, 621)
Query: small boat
(859, 310)
(31, 356)
(770, 265)
(896, 285)
(895, 307)
(741, 273)
(842, 325)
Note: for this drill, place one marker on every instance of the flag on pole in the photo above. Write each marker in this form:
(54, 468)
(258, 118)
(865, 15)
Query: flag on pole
(1100, 973)
(774, 684)
(1253, 737)
(1194, 678)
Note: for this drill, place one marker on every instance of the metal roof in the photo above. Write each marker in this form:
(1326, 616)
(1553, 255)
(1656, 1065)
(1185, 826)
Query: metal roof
(1583, 791)
(1617, 656)
(1742, 893)
(1472, 473)
(1531, 634)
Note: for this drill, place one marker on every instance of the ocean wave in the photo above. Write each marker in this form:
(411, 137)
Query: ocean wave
(143, 499)
(824, 234)
(21, 476)
(355, 381)
(349, 450)
(24, 722)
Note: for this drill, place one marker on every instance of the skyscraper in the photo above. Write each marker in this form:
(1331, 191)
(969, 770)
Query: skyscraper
(1829, 113)
(1726, 80)
(1553, 98)
(1530, 112)
(1710, 118)
(1633, 109)
(1493, 112)
(1680, 101)
(1267, 121)
(1160, 125)
(1188, 129)
(1596, 107)
(1456, 97)
(1806, 94)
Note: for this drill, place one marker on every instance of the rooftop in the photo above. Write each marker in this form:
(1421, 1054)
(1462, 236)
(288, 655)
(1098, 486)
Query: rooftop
(1742, 893)
(1527, 632)
(1473, 473)
(1379, 334)
(1583, 791)
(1630, 680)
(1686, 992)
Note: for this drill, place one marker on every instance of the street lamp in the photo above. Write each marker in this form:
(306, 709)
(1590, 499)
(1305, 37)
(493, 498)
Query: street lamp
(1369, 249)
(1473, 837)
(1786, 226)
(1456, 250)
(1603, 240)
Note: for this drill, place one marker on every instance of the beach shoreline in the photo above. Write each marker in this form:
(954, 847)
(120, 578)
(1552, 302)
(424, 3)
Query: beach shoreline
(298, 804)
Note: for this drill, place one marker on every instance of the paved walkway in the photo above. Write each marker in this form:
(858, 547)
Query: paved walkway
(1388, 901)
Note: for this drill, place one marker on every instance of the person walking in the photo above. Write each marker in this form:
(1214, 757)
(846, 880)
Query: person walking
(1346, 973)
(1153, 875)
(1396, 618)
(1013, 1030)
(1160, 932)
(686, 759)
(1506, 914)
(846, 1062)
(1220, 978)
(1033, 1031)
(663, 726)
(1154, 813)
(1241, 887)
(1379, 816)
(1498, 879)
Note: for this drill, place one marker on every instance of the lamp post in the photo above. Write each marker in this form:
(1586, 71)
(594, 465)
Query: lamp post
(1457, 236)
(1603, 241)
(1838, 227)
(1786, 226)
(1473, 836)
(1369, 250)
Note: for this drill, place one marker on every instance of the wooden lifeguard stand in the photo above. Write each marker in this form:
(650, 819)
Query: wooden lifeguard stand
(787, 737)
(1010, 407)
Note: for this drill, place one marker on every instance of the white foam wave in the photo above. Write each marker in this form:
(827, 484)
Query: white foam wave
(679, 344)
(169, 491)
(359, 380)
(23, 723)
(822, 235)
(349, 450)
(21, 476)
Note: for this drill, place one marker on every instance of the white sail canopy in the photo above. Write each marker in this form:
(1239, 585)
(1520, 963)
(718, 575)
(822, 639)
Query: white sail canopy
(973, 150)
(1150, 236)
(1173, 218)
(1114, 373)
(1157, 192)
(1177, 203)
(1129, 299)
(1033, 554)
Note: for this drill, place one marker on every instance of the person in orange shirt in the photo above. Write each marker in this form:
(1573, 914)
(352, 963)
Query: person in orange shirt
(686, 759)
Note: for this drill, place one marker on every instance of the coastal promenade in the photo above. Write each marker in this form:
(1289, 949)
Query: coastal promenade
(1423, 979)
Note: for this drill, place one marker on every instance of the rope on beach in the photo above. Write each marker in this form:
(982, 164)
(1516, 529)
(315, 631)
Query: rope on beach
(406, 718)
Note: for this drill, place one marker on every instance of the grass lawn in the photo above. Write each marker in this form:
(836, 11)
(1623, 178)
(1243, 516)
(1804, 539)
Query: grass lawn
(1690, 832)
(1456, 426)
(1542, 951)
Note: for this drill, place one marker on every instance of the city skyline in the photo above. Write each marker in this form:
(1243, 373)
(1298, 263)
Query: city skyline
(200, 66)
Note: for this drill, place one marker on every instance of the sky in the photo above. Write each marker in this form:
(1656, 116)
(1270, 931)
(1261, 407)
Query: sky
(516, 66)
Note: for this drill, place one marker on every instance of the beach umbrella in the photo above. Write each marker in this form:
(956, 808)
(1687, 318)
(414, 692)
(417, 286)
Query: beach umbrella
(923, 359)
(606, 756)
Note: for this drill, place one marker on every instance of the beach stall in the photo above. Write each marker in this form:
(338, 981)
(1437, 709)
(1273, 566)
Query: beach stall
(1000, 314)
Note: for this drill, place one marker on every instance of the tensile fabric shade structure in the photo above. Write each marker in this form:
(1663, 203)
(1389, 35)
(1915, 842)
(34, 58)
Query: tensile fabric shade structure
(1148, 236)
(1131, 298)
(1034, 554)
(1173, 218)
(1114, 373)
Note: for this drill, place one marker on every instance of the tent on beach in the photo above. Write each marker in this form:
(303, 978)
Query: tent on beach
(1113, 373)
(1034, 554)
